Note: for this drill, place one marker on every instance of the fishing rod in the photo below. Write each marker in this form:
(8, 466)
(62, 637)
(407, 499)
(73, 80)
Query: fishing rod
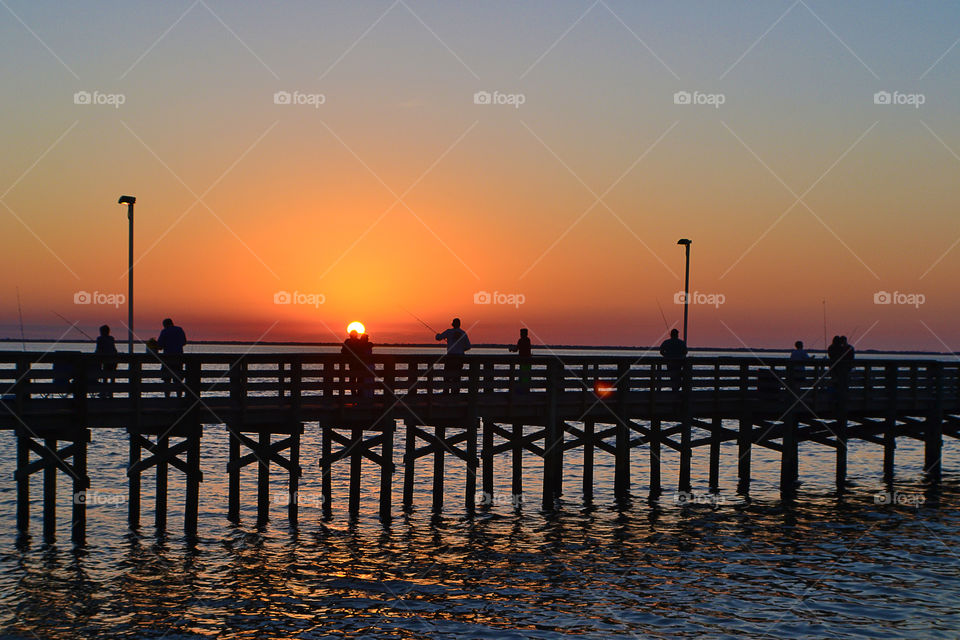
(415, 317)
(74, 326)
(23, 341)
(824, 323)
(662, 315)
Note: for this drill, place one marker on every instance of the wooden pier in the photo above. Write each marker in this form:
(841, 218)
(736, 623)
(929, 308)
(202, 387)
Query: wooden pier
(442, 406)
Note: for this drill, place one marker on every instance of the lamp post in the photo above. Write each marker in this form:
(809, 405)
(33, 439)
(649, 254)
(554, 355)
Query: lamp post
(686, 285)
(129, 201)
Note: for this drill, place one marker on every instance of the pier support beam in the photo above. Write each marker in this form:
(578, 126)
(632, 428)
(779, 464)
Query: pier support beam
(262, 452)
(71, 460)
(356, 447)
(162, 455)
(655, 438)
(933, 426)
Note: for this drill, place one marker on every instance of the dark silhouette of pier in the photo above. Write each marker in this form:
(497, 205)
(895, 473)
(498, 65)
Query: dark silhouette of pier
(603, 405)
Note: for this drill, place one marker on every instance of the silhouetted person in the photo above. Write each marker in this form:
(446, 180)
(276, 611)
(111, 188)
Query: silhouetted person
(674, 350)
(841, 355)
(457, 345)
(799, 353)
(106, 346)
(367, 374)
(171, 341)
(353, 350)
(522, 349)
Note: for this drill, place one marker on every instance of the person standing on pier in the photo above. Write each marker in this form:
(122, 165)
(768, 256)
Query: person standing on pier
(106, 346)
(522, 349)
(353, 348)
(457, 346)
(799, 356)
(171, 341)
(674, 351)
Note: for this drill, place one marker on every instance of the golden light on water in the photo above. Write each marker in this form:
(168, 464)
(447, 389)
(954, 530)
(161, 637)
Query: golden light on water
(356, 326)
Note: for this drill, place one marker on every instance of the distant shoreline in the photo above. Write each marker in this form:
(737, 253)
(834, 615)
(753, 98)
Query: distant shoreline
(434, 345)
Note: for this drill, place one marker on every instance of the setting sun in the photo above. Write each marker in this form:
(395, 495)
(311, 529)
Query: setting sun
(356, 326)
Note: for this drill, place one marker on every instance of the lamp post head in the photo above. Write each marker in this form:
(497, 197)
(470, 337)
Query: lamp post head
(126, 200)
(685, 241)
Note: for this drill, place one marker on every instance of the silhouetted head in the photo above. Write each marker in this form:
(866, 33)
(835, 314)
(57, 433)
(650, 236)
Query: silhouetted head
(167, 322)
(456, 323)
(798, 344)
(523, 333)
(104, 330)
(364, 337)
(843, 339)
(674, 333)
(836, 340)
(353, 334)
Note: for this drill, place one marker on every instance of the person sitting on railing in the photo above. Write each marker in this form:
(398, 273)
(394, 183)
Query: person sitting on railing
(171, 341)
(107, 347)
(457, 345)
(799, 356)
(523, 348)
(674, 351)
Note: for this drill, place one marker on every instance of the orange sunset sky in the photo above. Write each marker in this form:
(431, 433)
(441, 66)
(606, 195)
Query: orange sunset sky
(394, 185)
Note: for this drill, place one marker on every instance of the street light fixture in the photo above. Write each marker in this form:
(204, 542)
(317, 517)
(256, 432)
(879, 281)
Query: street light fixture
(686, 286)
(129, 201)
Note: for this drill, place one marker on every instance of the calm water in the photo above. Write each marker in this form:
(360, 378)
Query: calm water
(857, 567)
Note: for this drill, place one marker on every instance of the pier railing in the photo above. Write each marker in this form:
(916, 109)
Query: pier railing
(59, 381)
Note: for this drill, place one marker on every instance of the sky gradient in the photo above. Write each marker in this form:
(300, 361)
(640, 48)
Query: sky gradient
(401, 193)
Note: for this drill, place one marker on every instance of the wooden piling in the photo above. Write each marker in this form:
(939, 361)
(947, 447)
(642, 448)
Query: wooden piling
(744, 433)
(933, 426)
(516, 455)
(386, 471)
(160, 507)
(487, 455)
(263, 479)
(192, 501)
(409, 466)
(293, 483)
(470, 502)
(789, 456)
(356, 460)
(686, 450)
(716, 430)
(326, 482)
(551, 439)
(588, 445)
(438, 454)
(80, 485)
(655, 486)
(841, 434)
(233, 475)
(50, 495)
(133, 481)
(23, 485)
(890, 424)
